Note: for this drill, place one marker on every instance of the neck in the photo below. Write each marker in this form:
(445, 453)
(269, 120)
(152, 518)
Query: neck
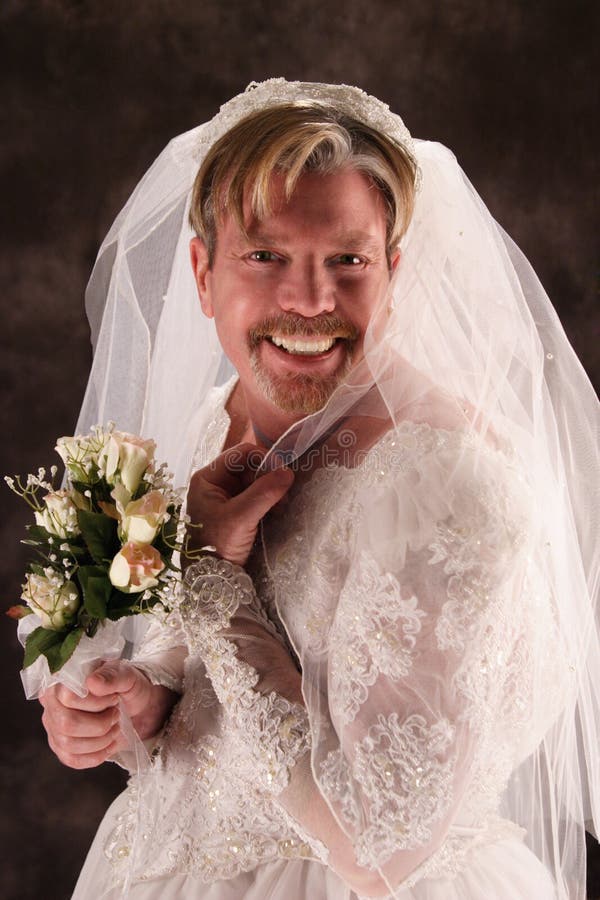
(258, 420)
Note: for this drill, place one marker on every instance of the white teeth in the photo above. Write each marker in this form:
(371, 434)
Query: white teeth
(296, 345)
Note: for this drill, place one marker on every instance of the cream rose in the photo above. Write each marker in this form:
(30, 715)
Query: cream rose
(59, 515)
(135, 567)
(81, 454)
(53, 599)
(125, 458)
(142, 518)
(69, 449)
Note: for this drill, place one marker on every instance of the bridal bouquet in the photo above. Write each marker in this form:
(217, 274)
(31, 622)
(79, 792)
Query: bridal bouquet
(103, 544)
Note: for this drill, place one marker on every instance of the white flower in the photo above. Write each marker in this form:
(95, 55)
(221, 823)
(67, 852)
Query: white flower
(142, 518)
(53, 599)
(81, 453)
(69, 449)
(59, 515)
(125, 458)
(135, 567)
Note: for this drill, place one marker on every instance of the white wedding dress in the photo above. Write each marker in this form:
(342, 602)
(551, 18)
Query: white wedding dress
(425, 644)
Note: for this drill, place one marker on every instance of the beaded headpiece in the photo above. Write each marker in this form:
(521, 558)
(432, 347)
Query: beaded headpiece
(351, 101)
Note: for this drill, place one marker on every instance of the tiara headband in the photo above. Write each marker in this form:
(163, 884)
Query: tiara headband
(349, 100)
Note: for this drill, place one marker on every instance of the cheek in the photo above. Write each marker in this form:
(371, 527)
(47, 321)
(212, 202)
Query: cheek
(230, 334)
(233, 322)
(361, 298)
(239, 298)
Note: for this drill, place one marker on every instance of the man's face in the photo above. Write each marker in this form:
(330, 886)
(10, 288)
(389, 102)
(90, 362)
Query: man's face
(292, 300)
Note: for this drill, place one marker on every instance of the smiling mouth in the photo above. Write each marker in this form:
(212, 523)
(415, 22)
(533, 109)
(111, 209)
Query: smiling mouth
(303, 346)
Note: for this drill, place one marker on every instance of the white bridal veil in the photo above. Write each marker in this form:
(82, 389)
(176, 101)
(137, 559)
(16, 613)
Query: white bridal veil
(467, 343)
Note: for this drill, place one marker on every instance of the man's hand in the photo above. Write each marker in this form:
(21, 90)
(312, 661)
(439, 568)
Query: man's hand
(84, 731)
(226, 502)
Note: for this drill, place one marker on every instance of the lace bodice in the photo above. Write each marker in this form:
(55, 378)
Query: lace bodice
(418, 645)
(425, 642)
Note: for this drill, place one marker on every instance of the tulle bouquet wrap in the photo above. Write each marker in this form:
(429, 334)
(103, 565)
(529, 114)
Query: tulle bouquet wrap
(103, 547)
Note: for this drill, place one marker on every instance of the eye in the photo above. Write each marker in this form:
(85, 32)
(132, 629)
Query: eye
(263, 256)
(348, 259)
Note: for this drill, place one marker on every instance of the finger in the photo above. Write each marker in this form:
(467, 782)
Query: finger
(83, 760)
(74, 723)
(112, 678)
(84, 745)
(60, 696)
(262, 495)
(232, 469)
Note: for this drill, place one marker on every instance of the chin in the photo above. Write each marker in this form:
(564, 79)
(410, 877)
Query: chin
(298, 394)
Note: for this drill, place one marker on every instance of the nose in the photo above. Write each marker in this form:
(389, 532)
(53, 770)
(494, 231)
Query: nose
(306, 290)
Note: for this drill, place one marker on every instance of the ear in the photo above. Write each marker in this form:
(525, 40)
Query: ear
(202, 274)
(395, 260)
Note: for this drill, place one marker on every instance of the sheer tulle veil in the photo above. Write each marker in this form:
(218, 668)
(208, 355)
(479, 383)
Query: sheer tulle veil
(466, 340)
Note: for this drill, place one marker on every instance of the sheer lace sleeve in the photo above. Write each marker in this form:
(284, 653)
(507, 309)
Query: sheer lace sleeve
(219, 608)
(426, 620)
(162, 652)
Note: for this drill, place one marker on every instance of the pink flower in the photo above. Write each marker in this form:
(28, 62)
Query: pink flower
(142, 518)
(135, 567)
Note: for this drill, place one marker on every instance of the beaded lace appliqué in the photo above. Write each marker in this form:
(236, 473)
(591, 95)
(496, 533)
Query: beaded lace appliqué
(374, 634)
(405, 772)
(276, 732)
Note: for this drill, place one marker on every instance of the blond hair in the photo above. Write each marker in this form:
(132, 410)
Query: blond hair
(294, 138)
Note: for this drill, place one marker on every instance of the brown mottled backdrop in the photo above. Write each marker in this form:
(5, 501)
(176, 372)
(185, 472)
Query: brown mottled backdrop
(93, 91)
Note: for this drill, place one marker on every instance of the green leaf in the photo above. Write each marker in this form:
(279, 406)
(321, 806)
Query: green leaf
(58, 655)
(53, 656)
(91, 627)
(121, 604)
(41, 640)
(39, 535)
(96, 588)
(98, 488)
(167, 536)
(100, 535)
(114, 614)
(82, 486)
(76, 550)
(142, 488)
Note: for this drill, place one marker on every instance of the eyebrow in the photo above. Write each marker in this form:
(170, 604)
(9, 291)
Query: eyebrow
(351, 240)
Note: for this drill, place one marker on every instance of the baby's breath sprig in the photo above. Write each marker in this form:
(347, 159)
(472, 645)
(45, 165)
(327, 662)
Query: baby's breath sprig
(29, 489)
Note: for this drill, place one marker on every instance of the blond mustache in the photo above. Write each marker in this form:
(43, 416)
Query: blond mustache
(298, 326)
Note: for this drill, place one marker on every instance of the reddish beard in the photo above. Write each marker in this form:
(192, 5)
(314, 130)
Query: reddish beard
(301, 393)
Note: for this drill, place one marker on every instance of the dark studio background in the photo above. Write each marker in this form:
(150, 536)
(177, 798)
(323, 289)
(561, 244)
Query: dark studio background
(92, 91)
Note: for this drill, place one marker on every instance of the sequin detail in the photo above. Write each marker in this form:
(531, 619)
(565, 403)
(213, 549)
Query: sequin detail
(276, 732)
(374, 634)
(404, 770)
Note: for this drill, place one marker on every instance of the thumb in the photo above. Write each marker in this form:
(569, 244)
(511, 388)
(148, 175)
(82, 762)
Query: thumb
(263, 494)
(112, 677)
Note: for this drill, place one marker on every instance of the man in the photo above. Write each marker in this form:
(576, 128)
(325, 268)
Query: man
(346, 723)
